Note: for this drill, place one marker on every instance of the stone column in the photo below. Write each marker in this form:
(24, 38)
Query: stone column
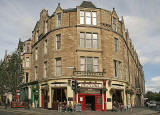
(50, 97)
(40, 96)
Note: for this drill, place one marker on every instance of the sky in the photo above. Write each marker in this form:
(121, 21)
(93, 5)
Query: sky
(141, 17)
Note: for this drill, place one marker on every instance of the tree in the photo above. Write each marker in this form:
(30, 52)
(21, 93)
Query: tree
(11, 74)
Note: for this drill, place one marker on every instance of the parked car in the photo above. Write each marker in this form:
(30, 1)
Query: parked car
(152, 104)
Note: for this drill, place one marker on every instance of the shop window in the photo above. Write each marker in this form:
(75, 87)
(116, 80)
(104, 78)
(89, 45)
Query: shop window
(98, 100)
(60, 95)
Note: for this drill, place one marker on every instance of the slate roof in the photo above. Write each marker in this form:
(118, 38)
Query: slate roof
(87, 4)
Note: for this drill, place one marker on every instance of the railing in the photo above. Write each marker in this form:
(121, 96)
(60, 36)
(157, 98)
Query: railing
(88, 74)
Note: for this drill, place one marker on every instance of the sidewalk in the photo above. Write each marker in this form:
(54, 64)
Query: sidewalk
(40, 111)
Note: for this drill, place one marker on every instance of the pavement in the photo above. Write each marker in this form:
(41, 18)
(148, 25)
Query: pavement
(40, 111)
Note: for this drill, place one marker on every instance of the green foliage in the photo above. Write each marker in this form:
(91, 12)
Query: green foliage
(11, 74)
(153, 96)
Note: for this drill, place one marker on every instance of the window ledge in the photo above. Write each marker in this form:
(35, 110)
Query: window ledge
(89, 50)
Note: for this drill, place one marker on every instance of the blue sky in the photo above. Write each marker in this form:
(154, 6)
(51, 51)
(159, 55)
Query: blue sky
(142, 18)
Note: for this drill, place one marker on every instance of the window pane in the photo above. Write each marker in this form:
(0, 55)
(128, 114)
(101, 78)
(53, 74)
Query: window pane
(82, 60)
(94, 14)
(94, 21)
(88, 17)
(88, 40)
(82, 40)
(81, 17)
(95, 41)
(115, 68)
(58, 41)
(58, 67)
(116, 44)
(81, 20)
(81, 13)
(58, 19)
(94, 18)
(96, 64)
(89, 64)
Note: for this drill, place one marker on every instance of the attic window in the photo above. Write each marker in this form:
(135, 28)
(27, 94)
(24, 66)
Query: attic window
(58, 19)
(114, 24)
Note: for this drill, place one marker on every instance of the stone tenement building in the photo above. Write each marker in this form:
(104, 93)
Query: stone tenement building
(24, 52)
(89, 45)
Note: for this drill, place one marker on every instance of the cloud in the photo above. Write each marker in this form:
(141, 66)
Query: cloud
(153, 84)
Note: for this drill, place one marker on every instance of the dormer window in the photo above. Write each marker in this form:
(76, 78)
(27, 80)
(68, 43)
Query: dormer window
(81, 17)
(45, 27)
(114, 24)
(88, 17)
(58, 19)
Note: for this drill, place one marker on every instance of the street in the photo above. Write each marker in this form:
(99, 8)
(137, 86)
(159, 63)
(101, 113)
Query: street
(136, 111)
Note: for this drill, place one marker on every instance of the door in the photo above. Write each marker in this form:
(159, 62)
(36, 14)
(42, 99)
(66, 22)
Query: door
(82, 101)
(98, 103)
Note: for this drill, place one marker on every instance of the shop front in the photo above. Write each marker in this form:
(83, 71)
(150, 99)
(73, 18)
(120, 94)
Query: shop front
(91, 96)
(34, 95)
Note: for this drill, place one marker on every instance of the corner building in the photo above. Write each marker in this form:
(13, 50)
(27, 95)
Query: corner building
(89, 45)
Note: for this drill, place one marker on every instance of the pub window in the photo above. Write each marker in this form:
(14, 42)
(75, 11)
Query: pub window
(58, 41)
(59, 19)
(88, 40)
(116, 44)
(81, 17)
(88, 17)
(58, 67)
(94, 18)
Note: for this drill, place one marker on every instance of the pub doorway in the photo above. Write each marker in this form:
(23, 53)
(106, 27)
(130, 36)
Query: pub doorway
(59, 97)
(117, 97)
(90, 103)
